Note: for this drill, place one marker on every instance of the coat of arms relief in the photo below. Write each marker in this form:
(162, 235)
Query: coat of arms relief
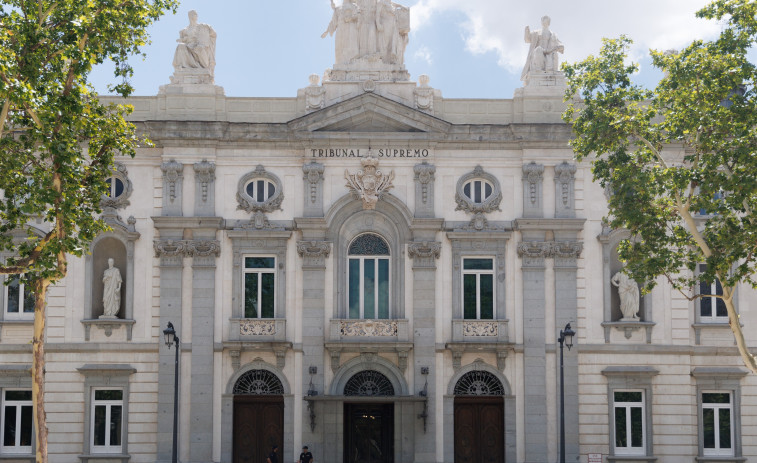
(369, 184)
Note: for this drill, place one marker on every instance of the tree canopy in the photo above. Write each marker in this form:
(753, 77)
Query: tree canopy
(680, 160)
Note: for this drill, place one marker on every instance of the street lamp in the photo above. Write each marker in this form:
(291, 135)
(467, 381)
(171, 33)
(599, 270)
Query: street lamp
(566, 338)
(171, 338)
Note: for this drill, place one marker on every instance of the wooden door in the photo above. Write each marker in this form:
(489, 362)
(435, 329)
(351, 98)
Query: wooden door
(369, 433)
(479, 430)
(258, 425)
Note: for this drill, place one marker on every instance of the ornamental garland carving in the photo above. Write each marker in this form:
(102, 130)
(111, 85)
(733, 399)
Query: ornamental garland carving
(424, 174)
(249, 205)
(370, 328)
(187, 248)
(205, 174)
(464, 203)
(369, 184)
(533, 173)
(557, 249)
(314, 176)
(257, 327)
(567, 249)
(565, 175)
(424, 249)
(172, 173)
(481, 329)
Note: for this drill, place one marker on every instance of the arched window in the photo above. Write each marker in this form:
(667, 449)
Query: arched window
(259, 382)
(368, 278)
(479, 383)
(369, 383)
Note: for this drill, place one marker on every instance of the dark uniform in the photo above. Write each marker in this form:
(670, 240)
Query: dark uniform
(273, 457)
(306, 457)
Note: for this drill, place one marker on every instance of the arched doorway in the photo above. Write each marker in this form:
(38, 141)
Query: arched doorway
(479, 418)
(258, 416)
(368, 425)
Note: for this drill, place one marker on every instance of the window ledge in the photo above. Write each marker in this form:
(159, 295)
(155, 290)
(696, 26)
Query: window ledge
(629, 327)
(19, 457)
(631, 458)
(479, 331)
(104, 457)
(107, 325)
(17, 322)
(698, 327)
(257, 329)
(719, 459)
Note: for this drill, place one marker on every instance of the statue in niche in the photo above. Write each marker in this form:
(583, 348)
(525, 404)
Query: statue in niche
(542, 53)
(197, 47)
(111, 291)
(628, 291)
(344, 25)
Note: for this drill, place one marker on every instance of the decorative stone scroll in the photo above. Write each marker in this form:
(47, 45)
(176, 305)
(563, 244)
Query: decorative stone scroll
(313, 177)
(481, 328)
(369, 184)
(257, 327)
(314, 253)
(533, 176)
(424, 253)
(173, 177)
(205, 176)
(565, 176)
(369, 328)
(424, 189)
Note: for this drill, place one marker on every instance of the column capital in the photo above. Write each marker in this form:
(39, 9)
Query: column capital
(314, 253)
(424, 253)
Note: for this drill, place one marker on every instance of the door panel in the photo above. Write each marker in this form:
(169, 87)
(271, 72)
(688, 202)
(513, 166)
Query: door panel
(479, 430)
(258, 425)
(368, 433)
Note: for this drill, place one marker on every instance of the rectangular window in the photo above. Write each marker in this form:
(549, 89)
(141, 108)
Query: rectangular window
(717, 422)
(628, 412)
(19, 301)
(368, 287)
(107, 420)
(711, 308)
(259, 287)
(17, 422)
(478, 288)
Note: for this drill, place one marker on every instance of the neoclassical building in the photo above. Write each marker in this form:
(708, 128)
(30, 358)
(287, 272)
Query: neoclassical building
(374, 271)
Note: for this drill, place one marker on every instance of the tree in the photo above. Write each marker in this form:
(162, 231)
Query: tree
(680, 160)
(57, 141)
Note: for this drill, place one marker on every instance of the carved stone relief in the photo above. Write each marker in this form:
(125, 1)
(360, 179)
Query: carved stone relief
(424, 189)
(369, 184)
(205, 176)
(315, 94)
(565, 178)
(119, 183)
(257, 327)
(369, 328)
(424, 253)
(424, 95)
(248, 203)
(313, 177)
(173, 177)
(314, 253)
(533, 176)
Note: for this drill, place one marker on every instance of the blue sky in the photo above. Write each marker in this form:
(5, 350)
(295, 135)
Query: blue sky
(469, 48)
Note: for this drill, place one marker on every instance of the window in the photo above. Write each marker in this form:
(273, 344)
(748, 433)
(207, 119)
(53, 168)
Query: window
(368, 278)
(115, 187)
(717, 422)
(478, 191)
(119, 189)
(19, 300)
(107, 420)
(478, 288)
(260, 190)
(628, 411)
(17, 421)
(259, 287)
(711, 308)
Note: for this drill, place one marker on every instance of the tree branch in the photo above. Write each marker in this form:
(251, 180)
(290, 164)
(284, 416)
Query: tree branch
(4, 115)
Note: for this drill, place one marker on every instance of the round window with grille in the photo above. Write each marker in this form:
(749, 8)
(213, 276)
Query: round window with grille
(369, 383)
(479, 383)
(259, 382)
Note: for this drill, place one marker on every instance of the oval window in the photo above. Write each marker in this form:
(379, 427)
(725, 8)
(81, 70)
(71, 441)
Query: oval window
(478, 191)
(260, 190)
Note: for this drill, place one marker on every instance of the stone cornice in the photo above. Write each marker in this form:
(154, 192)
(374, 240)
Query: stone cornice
(213, 223)
(549, 224)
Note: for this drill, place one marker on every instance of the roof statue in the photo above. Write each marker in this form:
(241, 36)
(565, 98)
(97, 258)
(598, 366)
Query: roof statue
(194, 61)
(370, 40)
(544, 47)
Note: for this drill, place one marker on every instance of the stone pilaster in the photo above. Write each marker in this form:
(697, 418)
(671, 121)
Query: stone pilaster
(533, 177)
(173, 179)
(565, 194)
(313, 189)
(171, 254)
(424, 190)
(424, 255)
(204, 254)
(205, 180)
(533, 255)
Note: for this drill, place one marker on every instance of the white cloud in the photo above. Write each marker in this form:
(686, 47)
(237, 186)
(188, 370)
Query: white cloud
(424, 54)
(497, 25)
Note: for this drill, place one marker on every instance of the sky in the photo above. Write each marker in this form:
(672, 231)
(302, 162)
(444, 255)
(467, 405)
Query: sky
(469, 48)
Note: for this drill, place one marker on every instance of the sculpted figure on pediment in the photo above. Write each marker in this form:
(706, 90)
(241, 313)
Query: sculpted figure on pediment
(344, 25)
(543, 50)
(197, 46)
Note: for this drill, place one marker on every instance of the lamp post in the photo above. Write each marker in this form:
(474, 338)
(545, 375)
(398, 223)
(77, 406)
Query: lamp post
(171, 338)
(566, 338)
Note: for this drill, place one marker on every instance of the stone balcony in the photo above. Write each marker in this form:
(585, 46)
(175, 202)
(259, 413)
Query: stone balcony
(369, 336)
(257, 329)
(479, 336)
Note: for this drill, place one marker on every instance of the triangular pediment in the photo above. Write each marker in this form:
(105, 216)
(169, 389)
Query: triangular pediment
(369, 113)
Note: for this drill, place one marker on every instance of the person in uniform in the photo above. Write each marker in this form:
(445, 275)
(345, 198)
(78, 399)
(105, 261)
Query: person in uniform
(273, 456)
(306, 456)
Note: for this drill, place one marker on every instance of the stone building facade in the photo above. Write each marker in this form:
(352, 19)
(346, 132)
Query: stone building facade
(379, 273)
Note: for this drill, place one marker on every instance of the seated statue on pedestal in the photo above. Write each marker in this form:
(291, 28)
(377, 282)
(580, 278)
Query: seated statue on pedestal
(196, 51)
(544, 47)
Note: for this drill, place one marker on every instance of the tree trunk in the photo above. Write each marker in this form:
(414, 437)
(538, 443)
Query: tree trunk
(733, 319)
(38, 370)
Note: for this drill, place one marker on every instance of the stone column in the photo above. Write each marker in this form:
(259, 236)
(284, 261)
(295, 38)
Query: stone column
(533, 254)
(204, 254)
(314, 254)
(566, 255)
(171, 254)
(424, 255)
